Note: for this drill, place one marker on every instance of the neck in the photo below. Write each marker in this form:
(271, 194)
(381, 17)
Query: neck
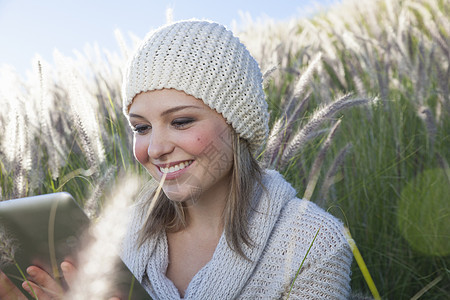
(205, 218)
(207, 211)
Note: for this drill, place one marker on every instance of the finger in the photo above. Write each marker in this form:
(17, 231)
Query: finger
(45, 282)
(34, 290)
(8, 291)
(40, 292)
(114, 298)
(69, 272)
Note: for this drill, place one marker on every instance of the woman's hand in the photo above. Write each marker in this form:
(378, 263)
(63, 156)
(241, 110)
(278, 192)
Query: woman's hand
(8, 291)
(44, 285)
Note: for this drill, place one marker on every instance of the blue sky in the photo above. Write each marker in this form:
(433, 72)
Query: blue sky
(28, 27)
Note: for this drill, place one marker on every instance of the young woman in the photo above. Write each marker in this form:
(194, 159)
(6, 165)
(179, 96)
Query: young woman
(222, 228)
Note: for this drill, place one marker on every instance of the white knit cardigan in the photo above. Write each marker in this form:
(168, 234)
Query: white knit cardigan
(282, 228)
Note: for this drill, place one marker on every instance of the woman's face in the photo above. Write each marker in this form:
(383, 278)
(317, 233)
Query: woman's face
(177, 134)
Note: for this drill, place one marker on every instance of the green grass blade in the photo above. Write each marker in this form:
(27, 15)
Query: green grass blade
(301, 265)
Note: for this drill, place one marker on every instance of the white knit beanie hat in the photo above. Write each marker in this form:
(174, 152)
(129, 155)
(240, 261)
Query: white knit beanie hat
(205, 60)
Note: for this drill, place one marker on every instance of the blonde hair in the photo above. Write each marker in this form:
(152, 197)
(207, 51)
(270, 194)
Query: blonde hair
(168, 215)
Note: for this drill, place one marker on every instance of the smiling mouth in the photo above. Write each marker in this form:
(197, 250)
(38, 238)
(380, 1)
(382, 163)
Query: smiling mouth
(177, 167)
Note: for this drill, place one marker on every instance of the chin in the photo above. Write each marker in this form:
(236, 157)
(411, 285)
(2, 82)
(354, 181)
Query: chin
(187, 194)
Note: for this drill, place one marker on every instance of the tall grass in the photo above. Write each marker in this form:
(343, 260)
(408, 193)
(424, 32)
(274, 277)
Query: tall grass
(367, 162)
(399, 52)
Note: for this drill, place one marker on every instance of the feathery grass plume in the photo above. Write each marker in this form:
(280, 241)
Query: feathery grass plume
(122, 44)
(92, 205)
(443, 81)
(429, 24)
(267, 75)
(444, 165)
(275, 50)
(100, 257)
(382, 78)
(359, 84)
(430, 124)
(274, 141)
(430, 68)
(421, 78)
(169, 15)
(9, 141)
(297, 113)
(317, 164)
(8, 248)
(8, 89)
(350, 42)
(105, 88)
(303, 81)
(281, 132)
(20, 178)
(86, 141)
(83, 107)
(320, 116)
(329, 178)
(390, 11)
(113, 80)
(442, 21)
(48, 137)
(17, 134)
(320, 37)
(18, 152)
(286, 109)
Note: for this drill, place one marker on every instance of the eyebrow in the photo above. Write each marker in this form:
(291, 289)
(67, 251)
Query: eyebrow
(170, 110)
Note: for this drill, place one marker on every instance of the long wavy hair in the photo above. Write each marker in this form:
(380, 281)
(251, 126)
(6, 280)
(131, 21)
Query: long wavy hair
(169, 216)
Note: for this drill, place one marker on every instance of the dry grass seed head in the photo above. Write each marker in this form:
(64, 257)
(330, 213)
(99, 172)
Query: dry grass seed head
(8, 248)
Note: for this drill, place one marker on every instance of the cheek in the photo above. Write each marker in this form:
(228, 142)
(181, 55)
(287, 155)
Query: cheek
(201, 141)
(211, 141)
(140, 149)
(195, 141)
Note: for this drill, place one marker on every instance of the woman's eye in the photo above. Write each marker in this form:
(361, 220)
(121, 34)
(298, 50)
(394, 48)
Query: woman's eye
(181, 122)
(141, 129)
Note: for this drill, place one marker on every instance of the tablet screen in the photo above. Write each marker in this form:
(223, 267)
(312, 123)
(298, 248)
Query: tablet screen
(48, 229)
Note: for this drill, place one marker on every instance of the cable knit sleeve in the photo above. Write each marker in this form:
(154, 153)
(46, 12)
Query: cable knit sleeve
(327, 279)
(325, 273)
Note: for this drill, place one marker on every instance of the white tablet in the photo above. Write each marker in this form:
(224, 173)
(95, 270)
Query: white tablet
(47, 229)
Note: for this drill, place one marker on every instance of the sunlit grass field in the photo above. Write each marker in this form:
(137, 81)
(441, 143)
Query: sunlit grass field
(360, 116)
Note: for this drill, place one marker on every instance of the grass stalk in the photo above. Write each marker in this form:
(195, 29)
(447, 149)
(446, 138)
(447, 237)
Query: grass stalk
(317, 165)
(301, 265)
(427, 288)
(26, 280)
(362, 265)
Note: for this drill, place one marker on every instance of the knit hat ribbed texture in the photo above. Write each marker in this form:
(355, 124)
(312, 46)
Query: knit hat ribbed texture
(205, 60)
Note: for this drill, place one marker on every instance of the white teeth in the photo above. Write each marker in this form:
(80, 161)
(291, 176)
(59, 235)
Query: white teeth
(176, 167)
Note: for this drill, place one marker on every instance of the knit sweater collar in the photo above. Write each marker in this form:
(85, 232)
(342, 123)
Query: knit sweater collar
(213, 281)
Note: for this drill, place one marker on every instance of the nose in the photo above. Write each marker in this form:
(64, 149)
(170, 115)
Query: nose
(159, 145)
